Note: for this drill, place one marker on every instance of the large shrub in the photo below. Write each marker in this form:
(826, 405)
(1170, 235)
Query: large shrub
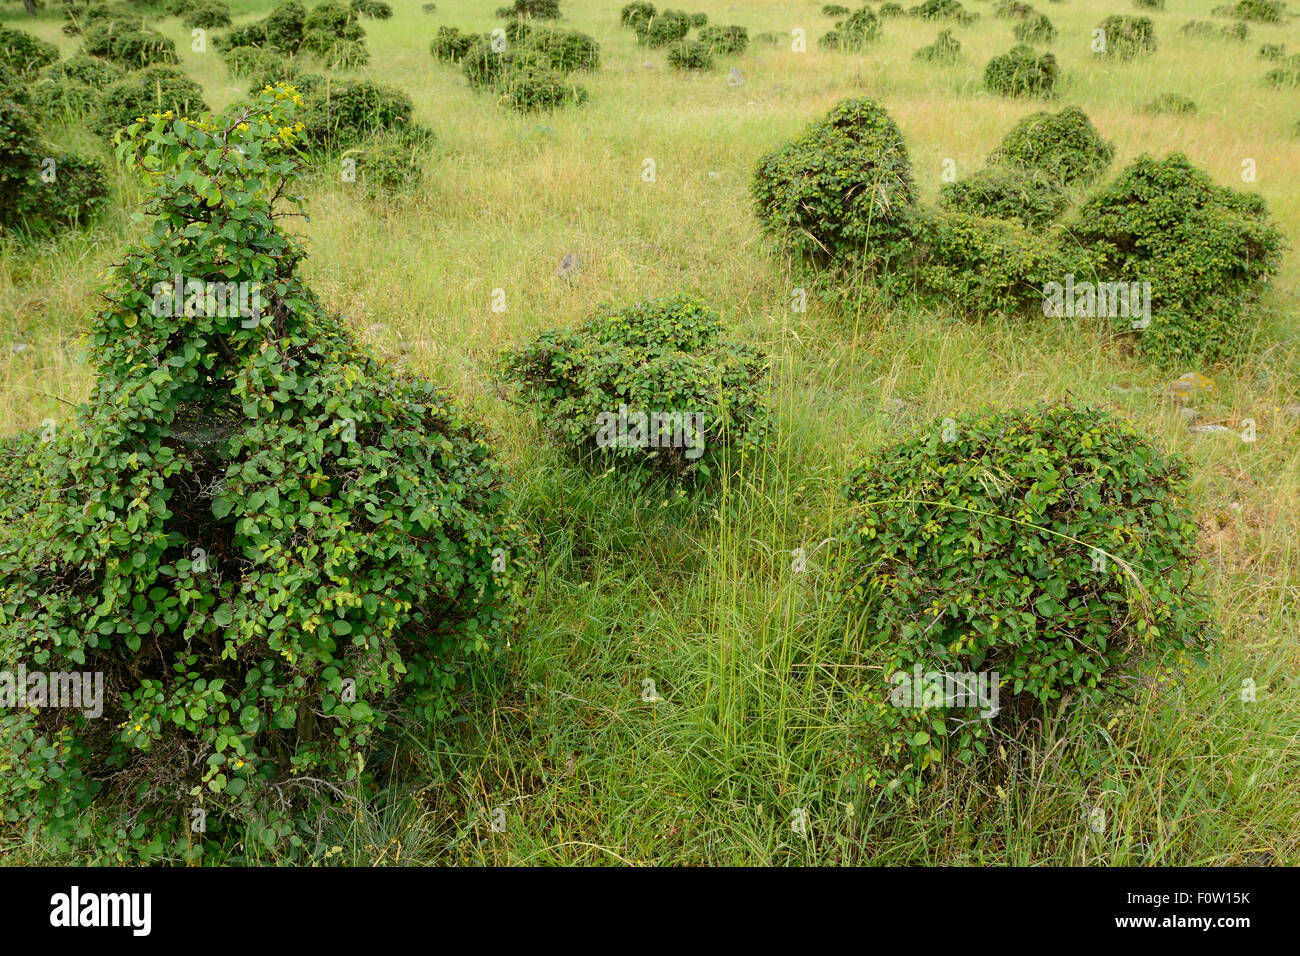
(207, 14)
(842, 190)
(1027, 196)
(946, 48)
(666, 360)
(565, 50)
(1204, 248)
(534, 87)
(531, 9)
(1035, 29)
(1053, 547)
(1127, 37)
(90, 70)
(1021, 72)
(1064, 146)
(285, 26)
(157, 89)
(667, 27)
(450, 44)
(637, 15)
(271, 545)
(690, 55)
(943, 10)
(24, 54)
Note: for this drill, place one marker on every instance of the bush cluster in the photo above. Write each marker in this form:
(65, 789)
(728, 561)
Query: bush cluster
(1035, 29)
(142, 92)
(127, 44)
(725, 41)
(530, 73)
(23, 54)
(691, 55)
(942, 10)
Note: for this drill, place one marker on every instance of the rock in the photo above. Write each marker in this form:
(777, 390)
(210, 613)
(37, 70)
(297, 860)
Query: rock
(569, 266)
(1191, 384)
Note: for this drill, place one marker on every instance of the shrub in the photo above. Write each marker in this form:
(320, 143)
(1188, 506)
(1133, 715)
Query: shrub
(698, 20)
(375, 9)
(286, 26)
(207, 14)
(942, 10)
(834, 10)
(1035, 29)
(1272, 51)
(1021, 73)
(637, 15)
(946, 48)
(1260, 11)
(855, 32)
(332, 33)
(1052, 546)
(1013, 10)
(531, 87)
(252, 61)
(1028, 196)
(387, 165)
(725, 41)
(531, 9)
(90, 70)
(1170, 103)
(891, 10)
(1126, 37)
(484, 66)
(265, 493)
(1064, 146)
(1149, 4)
(450, 44)
(23, 54)
(127, 46)
(665, 28)
(770, 37)
(1283, 77)
(62, 99)
(250, 34)
(345, 55)
(42, 189)
(156, 89)
(665, 356)
(1203, 28)
(1204, 248)
(842, 190)
(565, 50)
(346, 114)
(691, 55)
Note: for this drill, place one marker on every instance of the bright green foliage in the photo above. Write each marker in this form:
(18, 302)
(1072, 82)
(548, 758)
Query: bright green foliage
(842, 190)
(1127, 37)
(946, 48)
(271, 545)
(1204, 248)
(24, 54)
(665, 28)
(1053, 546)
(1064, 146)
(665, 356)
(853, 33)
(691, 55)
(1021, 72)
(725, 41)
(1027, 196)
(156, 89)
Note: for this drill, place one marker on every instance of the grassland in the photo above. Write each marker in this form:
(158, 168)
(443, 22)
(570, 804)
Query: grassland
(752, 674)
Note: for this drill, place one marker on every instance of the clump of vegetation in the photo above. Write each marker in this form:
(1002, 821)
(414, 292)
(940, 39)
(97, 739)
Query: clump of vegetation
(42, 189)
(854, 32)
(1205, 249)
(637, 15)
(691, 55)
(531, 10)
(1272, 51)
(843, 190)
(532, 87)
(888, 10)
(386, 166)
(663, 29)
(243, 484)
(342, 115)
(565, 50)
(1171, 103)
(143, 92)
(1203, 28)
(834, 10)
(127, 45)
(332, 33)
(1028, 196)
(450, 45)
(1149, 4)
(946, 48)
(725, 41)
(374, 9)
(206, 14)
(942, 10)
(769, 37)
(250, 61)
(1013, 10)
(285, 27)
(1021, 72)
(62, 100)
(1064, 146)
(1073, 567)
(682, 415)
(23, 54)
(1035, 29)
(90, 70)
(1259, 11)
(1125, 37)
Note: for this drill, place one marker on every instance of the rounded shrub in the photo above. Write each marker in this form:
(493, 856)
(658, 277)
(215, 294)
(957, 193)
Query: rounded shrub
(691, 55)
(670, 26)
(41, 188)
(946, 48)
(565, 50)
(1051, 550)
(531, 10)
(1021, 72)
(531, 87)
(1174, 103)
(842, 190)
(1205, 249)
(943, 10)
(62, 99)
(207, 14)
(657, 387)
(1126, 37)
(854, 32)
(143, 92)
(637, 15)
(90, 70)
(1064, 146)
(1035, 29)
(1149, 4)
(128, 46)
(834, 10)
(725, 41)
(23, 54)
(252, 61)
(1027, 196)
(374, 9)
(1260, 11)
(340, 115)
(1272, 51)
(891, 9)
(386, 166)
(250, 34)
(285, 26)
(450, 45)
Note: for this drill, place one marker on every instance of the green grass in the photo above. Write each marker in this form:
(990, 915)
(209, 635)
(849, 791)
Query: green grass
(753, 673)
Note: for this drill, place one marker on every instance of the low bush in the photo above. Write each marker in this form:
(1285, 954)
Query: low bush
(637, 15)
(531, 9)
(450, 45)
(1203, 28)
(1272, 51)
(942, 10)
(663, 29)
(565, 50)
(725, 41)
(1051, 547)
(374, 9)
(207, 14)
(341, 115)
(144, 92)
(532, 87)
(853, 33)
(1064, 146)
(656, 387)
(1027, 196)
(1260, 11)
(1170, 103)
(285, 27)
(90, 70)
(1021, 72)
(946, 48)
(690, 55)
(386, 166)
(252, 61)
(1125, 37)
(42, 189)
(128, 46)
(23, 54)
(62, 100)
(1035, 29)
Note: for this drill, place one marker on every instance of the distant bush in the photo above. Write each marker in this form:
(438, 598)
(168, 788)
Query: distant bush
(683, 413)
(1149, 4)
(531, 87)
(565, 50)
(23, 54)
(347, 114)
(1205, 249)
(1170, 103)
(1035, 29)
(835, 10)
(1052, 547)
(386, 166)
(1028, 196)
(842, 190)
(251, 61)
(942, 10)
(375, 9)
(1064, 146)
(206, 14)
(1126, 37)
(1013, 10)
(1022, 73)
(450, 44)
(1260, 11)
(331, 32)
(144, 92)
(891, 10)
(1272, 51)
(90, 70)
(769, 37)
(725, 41)
(637, 15)
(1203, 28)
(127, 46)
(250, 34)
(62, 99)
(690, 55)
(531, 9)
(41, 188)
(665, 28)
(285, 26)
(945, 49)
(853, 33)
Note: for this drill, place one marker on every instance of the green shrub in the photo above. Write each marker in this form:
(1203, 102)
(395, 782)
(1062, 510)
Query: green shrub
(532, 87)
(853, 33)
(725, 41)
(23, 54)
(531, 9)
(276, 549)
(1283, 77)
(484, 66)
(691, 55)
(946, 48)
(374, 9)
(286, 26)
(565, 50)
(665, 28)
(1052, 546)
(144, 92)
(90, 70)
(770, 37)
(1013, 10)
(834, 10)
(250, 34)
(1260, 11)
(1065, 146)
(341, 115)
(666, 356)
(888, 10)
(1170, 103)
(206, 14)
(450, 45)
(1149, 4)
(1272, 51)
(386, 166)
(62, 99)
(842, 190)
(1022, 73)
(252, 61)
(1035, 29)
(1126, 37)
(698, 20)
(331, 32)
(1203, 28)
(42, 189)
(943, 10)
(127, 46)
(1205, 249)
(637, 15)
(1028, 196)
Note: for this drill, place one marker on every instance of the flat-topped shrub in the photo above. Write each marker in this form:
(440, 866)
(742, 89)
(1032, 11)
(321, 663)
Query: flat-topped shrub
(844, 189)
(854, 32)
(1126, 37)
(23, 54)
(946, 48)
(144, 92)
(565, 50)
(1053, 547)
(657, 388)
(1205, 249)
(1065, 146)
(206, 14)
(1027, 196)
(725, 41)
(637, 15)
(1021, 72)
(943, 10)
(340, 115)
(277, 550)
